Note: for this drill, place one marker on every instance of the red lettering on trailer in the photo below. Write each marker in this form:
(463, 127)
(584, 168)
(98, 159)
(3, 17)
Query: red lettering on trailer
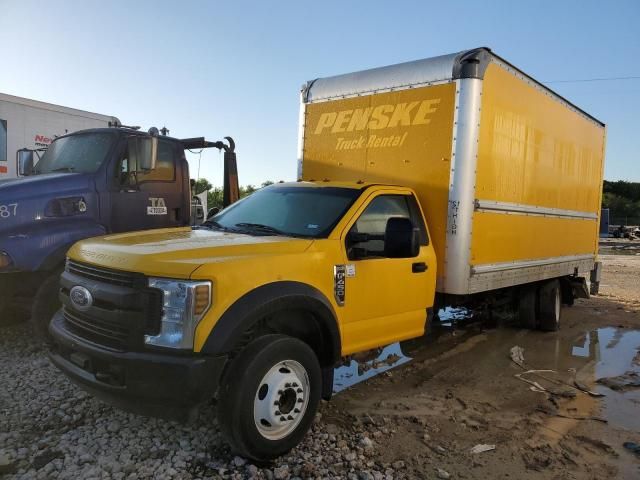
(42, 139)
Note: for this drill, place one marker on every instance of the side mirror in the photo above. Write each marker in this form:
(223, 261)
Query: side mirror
(24, 162)
(401, 239)
(144, 150)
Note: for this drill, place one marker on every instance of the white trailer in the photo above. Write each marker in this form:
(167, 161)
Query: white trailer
(26, 123)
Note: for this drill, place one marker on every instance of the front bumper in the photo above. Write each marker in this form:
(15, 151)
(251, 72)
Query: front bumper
(147, 383)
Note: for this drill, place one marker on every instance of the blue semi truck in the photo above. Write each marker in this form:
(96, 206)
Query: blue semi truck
(88, 183)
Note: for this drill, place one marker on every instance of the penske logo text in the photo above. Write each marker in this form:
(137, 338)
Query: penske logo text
(377, 118)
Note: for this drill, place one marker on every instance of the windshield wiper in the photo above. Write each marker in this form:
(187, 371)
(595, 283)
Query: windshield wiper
(63, 169)
(214, 224)
(259, 227)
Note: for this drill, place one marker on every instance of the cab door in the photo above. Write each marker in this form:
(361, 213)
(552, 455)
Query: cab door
(149, 199)
(385, 299)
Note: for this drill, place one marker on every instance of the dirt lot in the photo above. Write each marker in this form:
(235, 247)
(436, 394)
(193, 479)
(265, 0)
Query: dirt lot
(418, 420)
(461, 391)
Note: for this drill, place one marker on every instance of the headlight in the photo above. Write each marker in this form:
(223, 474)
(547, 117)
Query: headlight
(5, 260)
(64, 207)
(184, 304)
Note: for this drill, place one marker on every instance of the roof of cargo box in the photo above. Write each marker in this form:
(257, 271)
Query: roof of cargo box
(466, 64)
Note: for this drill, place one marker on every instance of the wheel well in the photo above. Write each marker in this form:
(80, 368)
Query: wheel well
(298, 323)
(290, 308)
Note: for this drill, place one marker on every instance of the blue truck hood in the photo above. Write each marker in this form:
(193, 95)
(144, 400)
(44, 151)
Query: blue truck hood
(31, 238)
(38, 185)
(23, 200)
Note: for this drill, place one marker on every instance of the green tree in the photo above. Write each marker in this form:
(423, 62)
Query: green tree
(622, 188)
(202, 185)
(623, 201)
(247, 190)
(215, 195)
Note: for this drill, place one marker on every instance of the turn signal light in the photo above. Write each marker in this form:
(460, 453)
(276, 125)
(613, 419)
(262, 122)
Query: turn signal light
(202, 299)
(5, 260)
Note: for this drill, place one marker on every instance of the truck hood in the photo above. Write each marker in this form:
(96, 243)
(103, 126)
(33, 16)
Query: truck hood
(26, 199)
(178, 252)
(35, 185)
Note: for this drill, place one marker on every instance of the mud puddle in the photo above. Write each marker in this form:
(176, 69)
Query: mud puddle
(617, 374)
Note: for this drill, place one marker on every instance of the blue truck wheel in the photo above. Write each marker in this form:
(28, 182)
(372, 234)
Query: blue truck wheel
(46, 304)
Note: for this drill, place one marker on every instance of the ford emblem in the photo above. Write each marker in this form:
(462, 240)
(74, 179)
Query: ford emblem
(81, 298)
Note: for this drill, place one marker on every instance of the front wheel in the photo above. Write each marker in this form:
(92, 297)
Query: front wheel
(45, 304)
(268, 397)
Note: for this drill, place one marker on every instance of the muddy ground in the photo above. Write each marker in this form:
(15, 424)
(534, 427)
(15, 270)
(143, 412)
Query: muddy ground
(461, 390)
(438, 398)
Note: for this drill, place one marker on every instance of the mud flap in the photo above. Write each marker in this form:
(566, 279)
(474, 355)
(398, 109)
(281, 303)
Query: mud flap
(327, 383)
(596, 273)
(579, 287)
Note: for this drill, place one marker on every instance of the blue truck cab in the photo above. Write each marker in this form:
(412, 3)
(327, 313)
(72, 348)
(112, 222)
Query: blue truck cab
(89, 183)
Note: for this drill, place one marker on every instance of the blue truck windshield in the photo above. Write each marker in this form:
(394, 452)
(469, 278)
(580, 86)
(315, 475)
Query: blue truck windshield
(286, 210)
(82, 153)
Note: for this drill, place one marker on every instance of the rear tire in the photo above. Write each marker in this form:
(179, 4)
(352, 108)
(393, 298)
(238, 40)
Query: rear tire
(45, 304)
(527, 308)
(268, 397)
(550, 306)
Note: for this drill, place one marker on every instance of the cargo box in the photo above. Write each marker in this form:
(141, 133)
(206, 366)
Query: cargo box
(509, 173)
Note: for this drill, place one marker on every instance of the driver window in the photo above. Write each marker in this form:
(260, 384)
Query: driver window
(373, 222)
(165, 166)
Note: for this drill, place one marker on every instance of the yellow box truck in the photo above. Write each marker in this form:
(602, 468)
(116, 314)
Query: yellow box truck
(455, 180)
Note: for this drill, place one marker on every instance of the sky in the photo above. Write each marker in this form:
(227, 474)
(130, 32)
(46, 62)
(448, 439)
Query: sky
(215, 69)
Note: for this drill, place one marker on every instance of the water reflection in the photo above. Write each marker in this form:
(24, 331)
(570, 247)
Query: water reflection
(613, 351)
(356, 372)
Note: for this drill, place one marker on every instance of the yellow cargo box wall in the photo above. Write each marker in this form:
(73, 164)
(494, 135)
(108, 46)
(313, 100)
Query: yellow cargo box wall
(535, 151)
(402, 137)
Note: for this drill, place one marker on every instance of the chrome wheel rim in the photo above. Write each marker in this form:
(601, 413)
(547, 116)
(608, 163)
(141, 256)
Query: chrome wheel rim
(281, 400)
(557, 305)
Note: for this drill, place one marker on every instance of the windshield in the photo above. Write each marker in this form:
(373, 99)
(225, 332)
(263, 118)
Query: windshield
(286, 210)
(83, 153)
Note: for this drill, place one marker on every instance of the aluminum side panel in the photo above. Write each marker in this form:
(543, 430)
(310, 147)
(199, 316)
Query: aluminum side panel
(500, 275)
(462, 187)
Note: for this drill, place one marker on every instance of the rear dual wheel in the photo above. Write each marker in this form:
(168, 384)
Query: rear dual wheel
(540, 307)
(268, 397)
(549, 306)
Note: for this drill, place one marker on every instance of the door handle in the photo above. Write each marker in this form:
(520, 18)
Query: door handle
(419, 267)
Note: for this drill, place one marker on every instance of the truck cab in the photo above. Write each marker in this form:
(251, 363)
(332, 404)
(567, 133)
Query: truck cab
(88, 183)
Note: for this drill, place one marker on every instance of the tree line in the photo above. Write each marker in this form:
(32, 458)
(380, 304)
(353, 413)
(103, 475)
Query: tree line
(214, 195)
(623, 201)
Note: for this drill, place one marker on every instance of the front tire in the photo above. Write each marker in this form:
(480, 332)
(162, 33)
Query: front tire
(268, 397)
(45, 304)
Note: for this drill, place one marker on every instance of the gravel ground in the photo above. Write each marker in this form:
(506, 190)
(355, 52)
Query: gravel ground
(49, 428)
